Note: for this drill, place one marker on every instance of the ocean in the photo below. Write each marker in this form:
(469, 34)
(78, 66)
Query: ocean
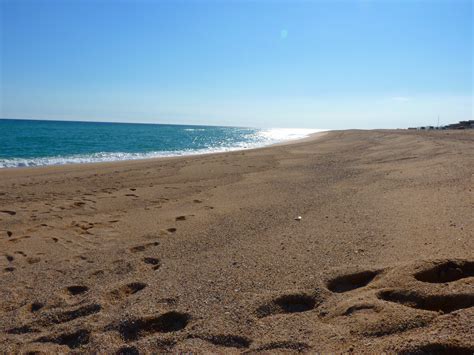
(25, 143)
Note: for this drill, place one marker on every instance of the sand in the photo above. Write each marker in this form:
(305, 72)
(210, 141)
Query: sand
(204, 253)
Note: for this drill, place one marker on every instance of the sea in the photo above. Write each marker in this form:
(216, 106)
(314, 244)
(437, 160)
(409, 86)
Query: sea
(30, 143)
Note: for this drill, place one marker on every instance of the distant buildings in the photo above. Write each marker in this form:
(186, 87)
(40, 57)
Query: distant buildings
(460, 125)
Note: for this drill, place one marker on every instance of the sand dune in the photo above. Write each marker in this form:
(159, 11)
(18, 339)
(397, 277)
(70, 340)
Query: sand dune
(204, 253)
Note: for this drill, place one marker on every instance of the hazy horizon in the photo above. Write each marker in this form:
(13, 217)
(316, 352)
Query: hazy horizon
(326, 65)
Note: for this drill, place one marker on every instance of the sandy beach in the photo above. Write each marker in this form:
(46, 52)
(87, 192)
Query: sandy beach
(206, 253)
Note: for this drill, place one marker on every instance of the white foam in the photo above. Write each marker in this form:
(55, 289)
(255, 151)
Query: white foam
(259, 139)
(285, 134)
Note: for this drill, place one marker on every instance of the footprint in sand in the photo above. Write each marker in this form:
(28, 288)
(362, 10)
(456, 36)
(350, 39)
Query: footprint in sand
(445, 303)
(127, 290)
(167, 231)
(349, 282)
(134, 329)
(49, 319)
(75, 290)
(24, 329)
(291, 303)
(131, 195)
(11, 213)
(152, 261)
(447, 271)
(70, 315)
(435, 300)
(35, 306)
(143, 247)
(33, 260)
(72, 340)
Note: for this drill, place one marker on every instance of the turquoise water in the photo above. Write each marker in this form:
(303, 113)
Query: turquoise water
(36, 143)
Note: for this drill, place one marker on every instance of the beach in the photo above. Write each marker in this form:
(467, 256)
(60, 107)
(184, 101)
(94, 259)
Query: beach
(351, 241)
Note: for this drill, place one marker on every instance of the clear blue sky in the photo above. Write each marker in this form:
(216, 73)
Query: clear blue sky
(317, 64)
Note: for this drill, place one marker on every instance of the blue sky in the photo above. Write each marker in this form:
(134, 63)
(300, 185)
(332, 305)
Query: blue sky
(315, 64)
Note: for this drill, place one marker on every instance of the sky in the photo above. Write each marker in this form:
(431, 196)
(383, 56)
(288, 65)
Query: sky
(305, 64)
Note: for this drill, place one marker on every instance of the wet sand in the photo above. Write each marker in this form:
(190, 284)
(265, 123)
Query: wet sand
(204, 253)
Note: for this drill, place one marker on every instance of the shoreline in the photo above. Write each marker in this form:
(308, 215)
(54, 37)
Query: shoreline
(207, 254)
(310, 137)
